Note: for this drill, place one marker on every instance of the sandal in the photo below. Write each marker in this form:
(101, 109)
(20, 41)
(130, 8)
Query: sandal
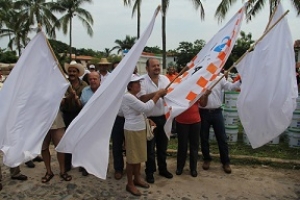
(47, 177)
(66, 177)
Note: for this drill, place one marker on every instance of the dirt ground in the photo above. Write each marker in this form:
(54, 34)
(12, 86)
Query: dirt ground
(245, 182)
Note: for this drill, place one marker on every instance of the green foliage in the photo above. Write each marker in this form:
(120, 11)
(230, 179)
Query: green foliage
(241, 46)
(8, 56)
(187, 50)
(127, 43)
(155, 50)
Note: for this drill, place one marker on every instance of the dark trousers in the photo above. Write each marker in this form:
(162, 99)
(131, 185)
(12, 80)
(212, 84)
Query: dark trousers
(188, 134)
(161, 141)
(117, 137)
(68, 118)
(215, 118)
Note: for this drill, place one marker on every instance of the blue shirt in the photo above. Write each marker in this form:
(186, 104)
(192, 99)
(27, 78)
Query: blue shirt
(86, 94)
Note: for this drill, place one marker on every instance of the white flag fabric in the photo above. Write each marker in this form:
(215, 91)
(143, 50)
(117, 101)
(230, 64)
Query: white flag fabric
(29, 102)
(269, 87)
(87, 137)
(203, 69)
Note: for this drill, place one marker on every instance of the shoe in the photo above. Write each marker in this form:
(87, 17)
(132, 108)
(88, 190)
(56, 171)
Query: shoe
(178, 171)
(206, 165)
(150, 178)
(38, 159)
(20, 177)
(0, 186)
(84, 172)
(141, 184)
(166, 174)
(137, 193)
(47, 177)
(227, 168)
(30, 164)
(194, 173)
(118, 175)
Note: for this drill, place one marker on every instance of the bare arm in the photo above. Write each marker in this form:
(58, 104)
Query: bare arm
(204, 98)
(146, 97)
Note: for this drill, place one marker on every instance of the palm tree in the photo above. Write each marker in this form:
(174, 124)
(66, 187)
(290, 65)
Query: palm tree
(136, 8)
(165, 5)
(18, 29)
(37, 11)
(73, 8)
(124, 44)
(107, 52)
(253, 7)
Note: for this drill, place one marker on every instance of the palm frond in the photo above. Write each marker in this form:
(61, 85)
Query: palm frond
(223, 8)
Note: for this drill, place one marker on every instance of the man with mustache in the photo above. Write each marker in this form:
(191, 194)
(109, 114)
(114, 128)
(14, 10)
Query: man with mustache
(71, 105)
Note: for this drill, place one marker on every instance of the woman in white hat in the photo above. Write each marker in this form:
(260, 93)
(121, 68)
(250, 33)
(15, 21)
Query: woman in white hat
(135, 133)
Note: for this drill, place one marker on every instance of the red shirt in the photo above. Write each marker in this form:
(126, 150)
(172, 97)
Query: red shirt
(190, 116)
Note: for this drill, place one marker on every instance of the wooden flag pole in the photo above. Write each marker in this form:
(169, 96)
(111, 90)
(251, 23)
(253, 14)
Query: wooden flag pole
(251, 48)
(273, 13)
(186, 68)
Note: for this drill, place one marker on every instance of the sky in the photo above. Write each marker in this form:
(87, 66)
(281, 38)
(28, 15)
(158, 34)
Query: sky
(112, 20)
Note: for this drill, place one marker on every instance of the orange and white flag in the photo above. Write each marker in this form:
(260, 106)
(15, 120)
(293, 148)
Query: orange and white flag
(203, 69)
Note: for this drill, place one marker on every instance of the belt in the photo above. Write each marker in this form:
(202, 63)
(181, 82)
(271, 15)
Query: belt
(211, 109)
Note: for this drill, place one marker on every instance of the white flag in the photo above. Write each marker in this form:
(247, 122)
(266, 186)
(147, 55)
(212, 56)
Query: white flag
(29, 102)
(203, 69)
(87, 137)
(269, 89)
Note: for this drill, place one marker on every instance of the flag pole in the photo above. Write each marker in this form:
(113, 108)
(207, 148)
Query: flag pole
(251, 48)
(270, 19)
(179, 74)
(53, 54)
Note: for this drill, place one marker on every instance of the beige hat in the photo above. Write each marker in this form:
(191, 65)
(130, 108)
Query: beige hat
(78, 66)
(103, 61)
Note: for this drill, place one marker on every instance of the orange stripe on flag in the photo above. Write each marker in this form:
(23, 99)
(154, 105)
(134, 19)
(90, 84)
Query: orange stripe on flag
(191, 96)
(237, 22)
(213, 77)
(191, 65)
(211, 68)
(185, 74)
(167, 115)
(229, 42)
(221, 55)
(170, 89)
(202, 82)
(177, 80)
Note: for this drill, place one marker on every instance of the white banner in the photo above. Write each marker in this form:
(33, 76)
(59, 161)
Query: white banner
(269, 89)
(29, 102)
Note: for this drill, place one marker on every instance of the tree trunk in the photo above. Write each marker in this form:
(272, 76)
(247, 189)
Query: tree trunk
(70, 37)
(164, 8)
(138, 20)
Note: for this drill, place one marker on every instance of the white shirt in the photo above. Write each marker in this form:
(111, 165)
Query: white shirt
(148, 86)
(133, 110)
(215, 97)
(104, 77)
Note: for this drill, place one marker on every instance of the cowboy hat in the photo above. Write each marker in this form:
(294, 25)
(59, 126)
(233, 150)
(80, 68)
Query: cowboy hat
(103, 61)
(78, 66)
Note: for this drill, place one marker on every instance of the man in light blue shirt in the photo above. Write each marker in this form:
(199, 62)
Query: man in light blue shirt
(86, 94)
(88, 91)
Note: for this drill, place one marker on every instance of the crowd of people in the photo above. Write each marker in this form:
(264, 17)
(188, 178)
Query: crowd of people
(143, 98)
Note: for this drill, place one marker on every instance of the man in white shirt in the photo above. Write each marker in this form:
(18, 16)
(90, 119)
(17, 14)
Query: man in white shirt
(152, 82)
(211, 114)
(103, 69)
